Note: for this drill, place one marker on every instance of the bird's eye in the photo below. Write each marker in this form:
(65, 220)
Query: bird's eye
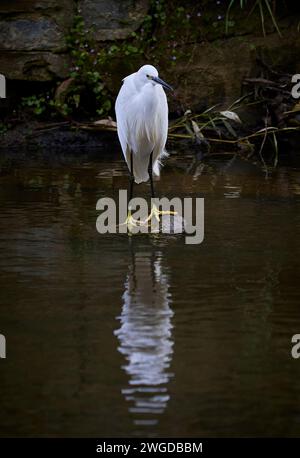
(148, 76)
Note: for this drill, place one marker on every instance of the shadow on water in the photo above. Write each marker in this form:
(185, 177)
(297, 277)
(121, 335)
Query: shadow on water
(145, 335)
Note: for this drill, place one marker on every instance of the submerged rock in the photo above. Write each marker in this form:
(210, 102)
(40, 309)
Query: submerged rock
(168, 224)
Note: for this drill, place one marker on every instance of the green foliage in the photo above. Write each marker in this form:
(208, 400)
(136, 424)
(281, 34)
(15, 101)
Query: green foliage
(36, 102)
(86, 70)
(264, 7)
(92, 66)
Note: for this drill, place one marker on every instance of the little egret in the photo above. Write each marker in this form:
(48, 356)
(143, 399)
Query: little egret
(142, 123)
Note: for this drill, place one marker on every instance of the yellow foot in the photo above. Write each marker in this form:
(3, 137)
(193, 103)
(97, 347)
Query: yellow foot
(157, 213)
(130, 221)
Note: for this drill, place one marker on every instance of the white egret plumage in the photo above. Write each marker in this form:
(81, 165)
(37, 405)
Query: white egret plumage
(142, 123)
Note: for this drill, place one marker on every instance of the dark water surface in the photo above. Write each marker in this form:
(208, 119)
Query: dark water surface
(110, 335)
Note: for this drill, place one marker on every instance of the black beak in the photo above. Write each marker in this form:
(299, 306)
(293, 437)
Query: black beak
(159, 81)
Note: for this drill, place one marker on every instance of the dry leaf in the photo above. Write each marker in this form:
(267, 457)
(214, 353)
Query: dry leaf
(106, 123)
(231, 115)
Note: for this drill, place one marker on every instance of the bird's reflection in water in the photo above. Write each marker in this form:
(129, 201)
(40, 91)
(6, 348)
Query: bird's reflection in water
(145, 336)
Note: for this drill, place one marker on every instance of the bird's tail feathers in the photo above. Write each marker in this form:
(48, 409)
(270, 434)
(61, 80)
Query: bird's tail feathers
(140, 167)
(140, 170)
(158, 163)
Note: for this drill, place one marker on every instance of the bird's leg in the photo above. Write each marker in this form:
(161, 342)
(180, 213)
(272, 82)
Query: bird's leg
(131, 177)
(130, 221)
(154, 210)
(150, 171)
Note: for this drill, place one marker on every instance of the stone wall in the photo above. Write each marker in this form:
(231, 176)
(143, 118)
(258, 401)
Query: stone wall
(33, 47)
(33, 32)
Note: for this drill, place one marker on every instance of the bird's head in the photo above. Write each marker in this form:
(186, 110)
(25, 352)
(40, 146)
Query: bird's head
(148, 73)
